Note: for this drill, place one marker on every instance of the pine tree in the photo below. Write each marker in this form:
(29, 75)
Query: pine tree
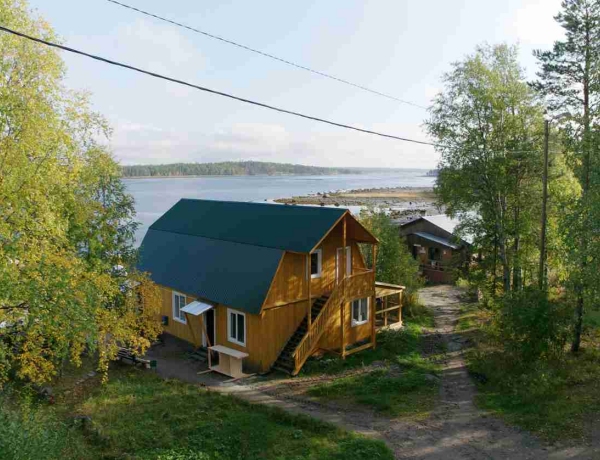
(570, 81)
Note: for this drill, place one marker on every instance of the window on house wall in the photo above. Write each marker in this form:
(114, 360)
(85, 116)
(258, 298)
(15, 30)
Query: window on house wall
(236, 325)
(434, 254)
(360, 311)
(316, 263)
(415, 250)
(179, 301)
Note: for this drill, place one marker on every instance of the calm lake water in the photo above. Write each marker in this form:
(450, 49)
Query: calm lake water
(155, 196)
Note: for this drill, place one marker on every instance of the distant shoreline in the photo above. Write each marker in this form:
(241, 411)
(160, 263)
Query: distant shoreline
(191, 176)
(227, 168)
(404, 203)
(237, 175)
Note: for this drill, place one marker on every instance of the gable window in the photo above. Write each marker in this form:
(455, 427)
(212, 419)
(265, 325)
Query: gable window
(316, 263)
(179, 301)
(236, 327)
(360, 311)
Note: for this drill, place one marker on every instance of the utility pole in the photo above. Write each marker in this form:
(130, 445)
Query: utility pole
(543, 275)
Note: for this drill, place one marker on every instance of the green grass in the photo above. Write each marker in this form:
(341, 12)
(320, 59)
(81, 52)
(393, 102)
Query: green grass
(409, 392)
(137, 415)
(404, 385)
(392, 345)
(558, 401)
(470, 318)
(29, 431)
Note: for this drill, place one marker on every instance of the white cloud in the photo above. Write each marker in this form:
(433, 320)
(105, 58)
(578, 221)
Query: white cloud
(533, 24)
(135, 143)
(150, 46)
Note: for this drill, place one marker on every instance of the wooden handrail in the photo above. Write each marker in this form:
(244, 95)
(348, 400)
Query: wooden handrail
(358, 272)
(308, 342)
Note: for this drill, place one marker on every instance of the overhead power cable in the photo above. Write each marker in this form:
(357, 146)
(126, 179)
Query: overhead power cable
(230, 96)
(262, 53)
(208, 90)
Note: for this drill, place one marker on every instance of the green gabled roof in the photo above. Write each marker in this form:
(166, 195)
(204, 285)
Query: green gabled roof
(228, 252)
(232, 274)
(289, 228)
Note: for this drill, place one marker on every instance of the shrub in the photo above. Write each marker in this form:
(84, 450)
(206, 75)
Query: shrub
(395, 263)
(529, 327)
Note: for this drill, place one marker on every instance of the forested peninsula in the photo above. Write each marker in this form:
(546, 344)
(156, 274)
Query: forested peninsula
(229, 168)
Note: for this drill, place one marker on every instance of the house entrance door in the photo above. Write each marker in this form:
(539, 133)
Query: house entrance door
(209, 323)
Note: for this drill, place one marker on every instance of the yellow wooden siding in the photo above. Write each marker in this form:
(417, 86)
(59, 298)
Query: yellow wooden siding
(360, 285)
(290, 282)
(331, 339)
(358, 261)
(266, 334)
(176, 328)
(328, 247)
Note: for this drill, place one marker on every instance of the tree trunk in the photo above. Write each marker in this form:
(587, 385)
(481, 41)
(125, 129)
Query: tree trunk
(502, 246)
(517, 271)
(517, 275)
(584, 195)
(495, 269)
(543, 273)
(578, 323)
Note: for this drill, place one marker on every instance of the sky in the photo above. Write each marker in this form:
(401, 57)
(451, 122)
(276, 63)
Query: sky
(398, 47)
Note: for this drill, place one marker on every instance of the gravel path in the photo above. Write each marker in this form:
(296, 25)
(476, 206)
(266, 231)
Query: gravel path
(456, 429)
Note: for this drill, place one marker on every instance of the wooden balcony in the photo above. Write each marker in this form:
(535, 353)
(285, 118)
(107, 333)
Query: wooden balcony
(359, 285)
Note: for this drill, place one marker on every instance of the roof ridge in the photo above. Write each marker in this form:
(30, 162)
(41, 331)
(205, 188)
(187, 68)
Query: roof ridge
(219, 239)
(285, 205)
(295, 229)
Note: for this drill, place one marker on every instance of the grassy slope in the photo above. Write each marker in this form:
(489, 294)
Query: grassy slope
(557, 401)
(402, 386)
(140, 416)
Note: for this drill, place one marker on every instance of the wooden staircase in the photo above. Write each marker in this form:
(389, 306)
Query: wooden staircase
(286, 361)
(199, 354)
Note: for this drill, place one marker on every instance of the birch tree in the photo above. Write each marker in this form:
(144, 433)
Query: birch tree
(67, 283)
(488, 128)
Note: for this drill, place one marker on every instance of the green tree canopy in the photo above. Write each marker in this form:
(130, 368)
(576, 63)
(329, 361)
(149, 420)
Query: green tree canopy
(489, 125)
(395, 263)
(570, 81)
(66, 224)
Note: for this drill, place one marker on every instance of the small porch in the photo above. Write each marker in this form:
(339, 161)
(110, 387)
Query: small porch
(388, 307)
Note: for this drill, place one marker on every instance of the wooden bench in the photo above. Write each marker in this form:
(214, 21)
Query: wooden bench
(230, 363)
(126, 354)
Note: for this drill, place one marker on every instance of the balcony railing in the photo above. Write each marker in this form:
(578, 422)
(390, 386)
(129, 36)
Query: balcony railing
(358, 285)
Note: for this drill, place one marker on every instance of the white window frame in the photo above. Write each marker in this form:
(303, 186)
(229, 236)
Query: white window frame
(356, 304)
(173, 302)
(231, 339)
(319, 253)
(338, 262)
(348, 260)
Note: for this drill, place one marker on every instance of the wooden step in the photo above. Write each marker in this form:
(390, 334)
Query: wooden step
(201, 354)
(284, 370)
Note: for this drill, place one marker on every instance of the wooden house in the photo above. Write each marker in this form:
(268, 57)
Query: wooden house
(266, 283)
(432, 241)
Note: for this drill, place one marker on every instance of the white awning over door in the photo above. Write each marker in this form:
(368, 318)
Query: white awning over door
(196, 308)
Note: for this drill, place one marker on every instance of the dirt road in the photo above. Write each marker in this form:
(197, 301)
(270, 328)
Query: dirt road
(456, 430)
